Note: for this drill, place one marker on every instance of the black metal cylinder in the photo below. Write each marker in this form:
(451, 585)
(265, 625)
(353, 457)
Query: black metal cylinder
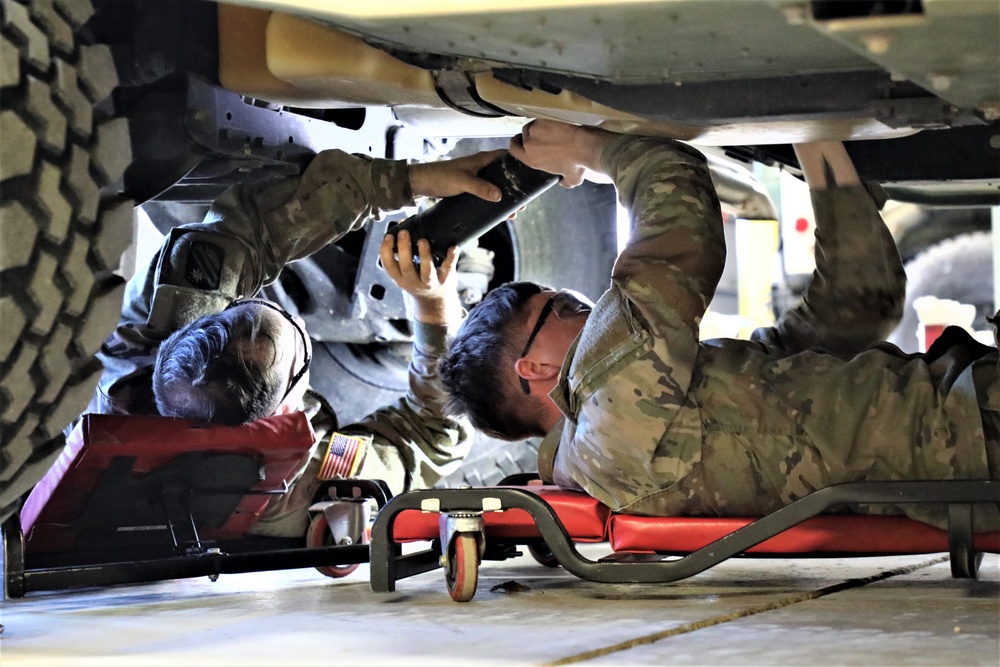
(457, 220)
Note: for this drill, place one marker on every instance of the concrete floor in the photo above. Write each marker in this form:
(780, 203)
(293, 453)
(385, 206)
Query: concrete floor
(865, 611)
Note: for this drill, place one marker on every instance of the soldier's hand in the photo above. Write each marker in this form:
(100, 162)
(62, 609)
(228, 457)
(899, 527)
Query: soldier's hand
(432, 289)
(454, 177)
(572, 151)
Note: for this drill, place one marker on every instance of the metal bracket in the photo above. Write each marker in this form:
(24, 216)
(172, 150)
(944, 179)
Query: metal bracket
(458, 90)
(466, 523)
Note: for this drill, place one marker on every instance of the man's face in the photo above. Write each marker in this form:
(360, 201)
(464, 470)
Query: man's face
(293, 348)
(556, 320)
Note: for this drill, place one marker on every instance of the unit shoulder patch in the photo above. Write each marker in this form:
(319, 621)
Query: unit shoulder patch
(203, 268)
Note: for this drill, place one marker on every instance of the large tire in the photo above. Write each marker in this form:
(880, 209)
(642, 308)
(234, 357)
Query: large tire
(957, 268)
(63, 228)
(490, 460)
(569, 238)
(358, 379)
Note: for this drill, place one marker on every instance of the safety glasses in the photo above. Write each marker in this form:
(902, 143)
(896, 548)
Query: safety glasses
(564, 304)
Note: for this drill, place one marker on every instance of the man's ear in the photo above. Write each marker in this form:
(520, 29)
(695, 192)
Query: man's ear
(529, 369)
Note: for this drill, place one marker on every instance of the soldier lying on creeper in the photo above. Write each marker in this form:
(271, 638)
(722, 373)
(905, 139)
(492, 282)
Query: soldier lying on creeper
(640, 414)
(193, 342)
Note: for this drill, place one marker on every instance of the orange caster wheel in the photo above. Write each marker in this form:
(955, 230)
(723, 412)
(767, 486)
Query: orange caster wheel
(462, 573)
(319, 535)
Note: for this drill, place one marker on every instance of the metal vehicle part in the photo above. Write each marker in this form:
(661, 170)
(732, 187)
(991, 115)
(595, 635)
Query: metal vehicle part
(917, 78)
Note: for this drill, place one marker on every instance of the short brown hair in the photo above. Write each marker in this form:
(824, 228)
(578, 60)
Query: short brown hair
(477, 370)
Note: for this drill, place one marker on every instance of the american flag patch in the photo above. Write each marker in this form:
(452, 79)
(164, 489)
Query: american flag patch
(343, 455)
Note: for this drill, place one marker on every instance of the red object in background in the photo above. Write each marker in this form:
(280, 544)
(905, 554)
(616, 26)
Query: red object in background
(931, 332)
(801, 225)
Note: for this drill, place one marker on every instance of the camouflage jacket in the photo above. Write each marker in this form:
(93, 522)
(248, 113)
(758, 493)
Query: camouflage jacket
(658, 423)
(248, 236)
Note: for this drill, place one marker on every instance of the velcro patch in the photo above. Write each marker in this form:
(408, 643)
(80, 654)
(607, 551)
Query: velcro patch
(343, 455)
(204, 265)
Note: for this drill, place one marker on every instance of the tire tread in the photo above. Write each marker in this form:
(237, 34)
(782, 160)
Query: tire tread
(65, 225)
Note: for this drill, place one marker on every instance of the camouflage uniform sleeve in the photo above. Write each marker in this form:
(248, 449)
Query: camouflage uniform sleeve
(414, 444)
(249, 234)
(628, 431)
(856, 294)
(294, 218)
(676, 249)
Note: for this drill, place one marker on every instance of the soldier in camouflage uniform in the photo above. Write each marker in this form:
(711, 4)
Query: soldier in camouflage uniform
(203, 271)
(640, 414)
